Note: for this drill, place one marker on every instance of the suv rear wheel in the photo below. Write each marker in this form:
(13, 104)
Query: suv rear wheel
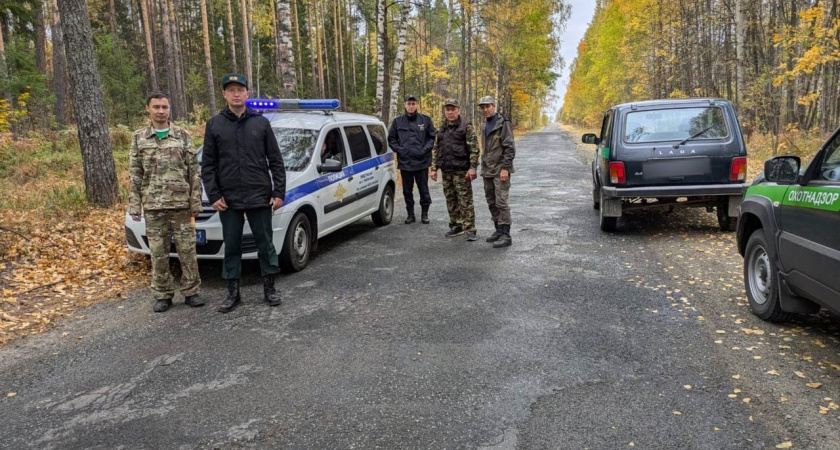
(725, 222)
(607, 223)
(760, 275)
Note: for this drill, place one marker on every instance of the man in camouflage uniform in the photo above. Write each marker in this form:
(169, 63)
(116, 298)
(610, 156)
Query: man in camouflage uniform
(497, 153)
(165, 186)
(456, 154)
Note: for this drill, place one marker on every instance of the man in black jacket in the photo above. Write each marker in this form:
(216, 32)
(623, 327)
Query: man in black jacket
(412, 137)
(243, 174)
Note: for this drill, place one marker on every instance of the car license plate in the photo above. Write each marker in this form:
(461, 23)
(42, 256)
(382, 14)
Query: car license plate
(200, 237)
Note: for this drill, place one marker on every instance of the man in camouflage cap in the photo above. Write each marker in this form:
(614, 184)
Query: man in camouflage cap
(165, 187)
(498, 151)
(456, 154)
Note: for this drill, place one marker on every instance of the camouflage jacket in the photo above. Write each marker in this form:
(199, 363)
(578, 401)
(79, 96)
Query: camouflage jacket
(497, 147)
(456, 147)
(163, 173)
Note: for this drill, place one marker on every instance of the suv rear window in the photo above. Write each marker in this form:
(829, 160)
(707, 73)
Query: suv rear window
(675, 124)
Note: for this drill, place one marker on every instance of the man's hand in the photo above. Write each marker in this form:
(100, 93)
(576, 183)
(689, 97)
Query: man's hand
(504, 175)
(470, 175)
(195, 214)
(275, 203)
(433, 174)
(135, 217)
(220, 205)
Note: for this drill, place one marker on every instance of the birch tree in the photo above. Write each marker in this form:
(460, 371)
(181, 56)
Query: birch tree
(381, 39)
(285, 58)
(398, 58)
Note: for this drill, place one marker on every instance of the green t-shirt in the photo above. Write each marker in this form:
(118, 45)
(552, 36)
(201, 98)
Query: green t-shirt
(161, 133)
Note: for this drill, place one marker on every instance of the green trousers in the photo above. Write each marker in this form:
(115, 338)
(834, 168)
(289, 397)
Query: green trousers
(233, 220)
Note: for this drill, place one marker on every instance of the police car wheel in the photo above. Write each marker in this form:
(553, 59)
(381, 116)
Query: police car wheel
(297, 246)
(760, 276)
(385, 213)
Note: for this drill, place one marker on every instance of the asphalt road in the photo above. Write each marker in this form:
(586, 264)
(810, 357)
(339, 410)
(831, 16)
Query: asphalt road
(400, 338)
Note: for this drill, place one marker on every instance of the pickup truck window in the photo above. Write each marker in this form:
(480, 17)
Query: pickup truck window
(675, 124)
(830, 169)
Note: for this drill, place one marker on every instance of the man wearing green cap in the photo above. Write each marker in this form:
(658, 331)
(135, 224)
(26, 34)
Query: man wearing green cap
(496, 168)
(243, 173)
(456, 155)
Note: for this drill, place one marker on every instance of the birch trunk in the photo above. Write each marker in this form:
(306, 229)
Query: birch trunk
(299, 56)
(398, 59)
(381, 37)
(97, 158)
(4, 68)
(313, 48)
(285, 63)
(739, 51)
(208, 64)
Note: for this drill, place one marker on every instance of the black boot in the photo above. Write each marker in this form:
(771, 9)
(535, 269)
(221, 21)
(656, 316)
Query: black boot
(504, 240)
(162, 305)
(496, 234)
(410, 219)
(233, 299)
(193, 300)
(271, 295)
(424, 214)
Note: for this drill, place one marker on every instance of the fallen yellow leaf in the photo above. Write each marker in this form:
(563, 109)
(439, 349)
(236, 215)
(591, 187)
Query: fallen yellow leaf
(786, 444)
(687, 386)
(813, 385)
(11, 394)
(772, 372)
(677, 413)
(799, 374)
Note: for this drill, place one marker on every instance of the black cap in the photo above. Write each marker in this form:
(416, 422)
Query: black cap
(410, 97)
(234, 78)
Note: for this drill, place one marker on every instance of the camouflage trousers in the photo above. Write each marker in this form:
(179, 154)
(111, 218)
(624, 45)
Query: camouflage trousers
(497, 194)
(160, 225)
(459, 200)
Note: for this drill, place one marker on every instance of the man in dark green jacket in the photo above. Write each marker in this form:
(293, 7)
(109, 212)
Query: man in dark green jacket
(243, 173)
(498, 151)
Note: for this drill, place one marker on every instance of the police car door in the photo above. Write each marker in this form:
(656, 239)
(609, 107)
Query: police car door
(810, 240)
(383, 158)
(335, 188)
(365, 167)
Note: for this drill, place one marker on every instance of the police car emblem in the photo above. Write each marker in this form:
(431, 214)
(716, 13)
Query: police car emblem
(339, 192)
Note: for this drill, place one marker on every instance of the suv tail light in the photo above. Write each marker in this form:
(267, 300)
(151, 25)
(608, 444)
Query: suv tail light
(738, 169)
(617, 175)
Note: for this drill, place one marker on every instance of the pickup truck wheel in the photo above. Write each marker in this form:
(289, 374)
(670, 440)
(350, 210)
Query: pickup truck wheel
(385, 213)
(607, 223)
(760, 276)
(297, 246)
(725, 222)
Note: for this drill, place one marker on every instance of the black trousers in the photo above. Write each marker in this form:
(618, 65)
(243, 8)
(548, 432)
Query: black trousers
(421, 177)
(233, 221)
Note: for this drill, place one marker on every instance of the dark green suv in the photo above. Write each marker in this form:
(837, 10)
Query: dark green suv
(789, 235)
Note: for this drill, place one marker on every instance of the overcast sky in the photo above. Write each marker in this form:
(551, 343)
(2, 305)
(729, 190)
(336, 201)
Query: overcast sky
(582, 11)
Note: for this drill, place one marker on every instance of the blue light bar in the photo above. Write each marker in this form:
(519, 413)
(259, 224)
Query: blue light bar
(265, 104)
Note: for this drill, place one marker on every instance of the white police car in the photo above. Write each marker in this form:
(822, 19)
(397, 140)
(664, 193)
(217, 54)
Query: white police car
(339, 169)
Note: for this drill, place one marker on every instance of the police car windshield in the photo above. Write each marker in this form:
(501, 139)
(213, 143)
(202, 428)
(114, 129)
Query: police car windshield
(297, 145)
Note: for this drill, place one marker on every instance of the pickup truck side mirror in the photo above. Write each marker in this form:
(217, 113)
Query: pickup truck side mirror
(590, 138)
(782, 169)
(330, 165)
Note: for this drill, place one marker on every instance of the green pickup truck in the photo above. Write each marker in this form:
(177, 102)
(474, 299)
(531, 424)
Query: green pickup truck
(789, 235)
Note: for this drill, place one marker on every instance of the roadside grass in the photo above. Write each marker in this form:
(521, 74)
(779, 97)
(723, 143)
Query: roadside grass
(57, 253)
